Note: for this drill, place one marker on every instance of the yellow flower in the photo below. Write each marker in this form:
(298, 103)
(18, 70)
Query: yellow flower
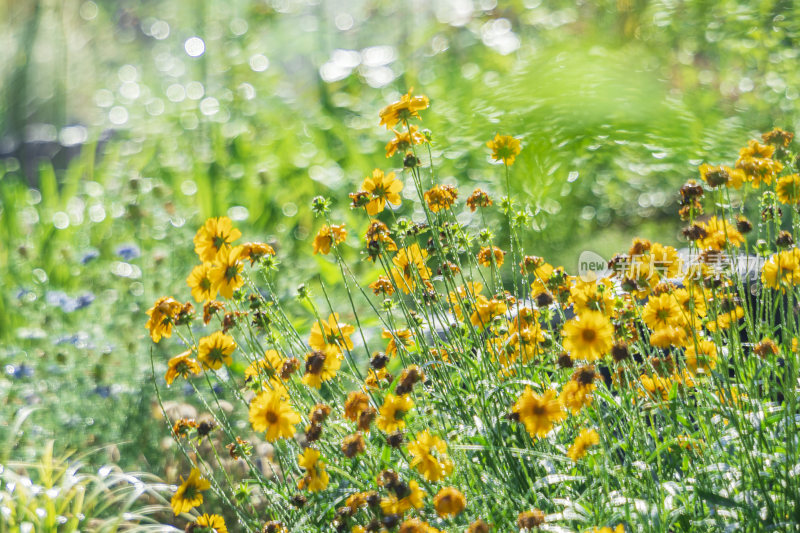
(215, 235)
(355, 404)
(414, 499)
(269, 412)
(538, 413)
(701, 357)
(722, 175)
(404, 140)
(693, 303)
(589, 336)
(331, 333)
(215, 350)
(200, 283)
(429, 457)
(408, 107)
(256, 250)
(383, 188)
(488, 253)
(505, 148)
(663, 311)
(409, 265)
(530, 519)
(449, 502)
(656, 386)
(485, 310)
(586, 439)
(440, 197)
(619, 529)
(226, 274)
(725, 319)
(576, 396)
(382, 285)
(782, 270)
(265, 369)
(189, 494)
(162, 315)
(479, 526)
(788, 189)
(718, 234)
(667, 336)
(181, 365)
(316, 477)
(402, 336)
(415, 525)
(322, 365)
(214, 522)
(392, 411)
(327, 236)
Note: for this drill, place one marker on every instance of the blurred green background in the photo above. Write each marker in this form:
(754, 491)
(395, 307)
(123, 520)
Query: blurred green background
(123, 124)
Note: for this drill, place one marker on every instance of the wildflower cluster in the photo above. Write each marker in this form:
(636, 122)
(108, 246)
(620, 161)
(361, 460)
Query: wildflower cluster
(467, 386)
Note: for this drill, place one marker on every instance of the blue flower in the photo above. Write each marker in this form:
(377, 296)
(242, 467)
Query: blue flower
(84, 300)
(128, 251)
(89, 256)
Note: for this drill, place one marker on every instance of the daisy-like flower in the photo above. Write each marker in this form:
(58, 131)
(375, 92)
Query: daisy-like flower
(416, 525)
(719, 233)
(429, 457)
(266, 366)
(449, 502)
(788, 189)
(331, 333)
(322, 365)
(272, 414)
(181, 365)
(200, 283)
(355, 404)
(782, 270)
(722, 175)
(215, 235)
(576, 396)
(162, 316)
(440, 197)
(382, 188)
(538, 412)
(477, 199)
(226, 274)
(701, 357)
(479, 526)
(256, 250)
(327, 236)
(584, 441)
(382, 286)
(693, 303)
(488, 253)
(589, 336)
(409, 265)
(505, 148)
(530, 519)
(403, 337)
(408, 107)
(215, 350)
(316, 478)
(404, 140)
(414, 499)
(190, 493)
(213, 523)
(663, 311)
(485, 310)
(392, 411)
(605, 529)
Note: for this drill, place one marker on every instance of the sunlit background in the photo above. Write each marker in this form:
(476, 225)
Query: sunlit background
(123, 124)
